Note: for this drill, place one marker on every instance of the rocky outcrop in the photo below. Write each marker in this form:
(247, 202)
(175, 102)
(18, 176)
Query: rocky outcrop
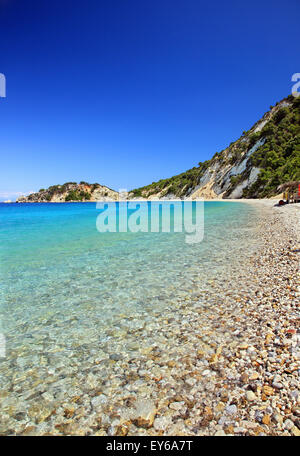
(217, 180)
(252, 166)
(71, 192)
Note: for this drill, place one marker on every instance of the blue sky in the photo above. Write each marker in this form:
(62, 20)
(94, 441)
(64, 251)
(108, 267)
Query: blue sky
(127, 92)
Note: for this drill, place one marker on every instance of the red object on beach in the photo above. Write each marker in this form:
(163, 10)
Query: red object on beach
(299, 190)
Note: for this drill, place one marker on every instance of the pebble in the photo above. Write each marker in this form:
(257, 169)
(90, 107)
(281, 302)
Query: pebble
(220, 433)
(176, 405)
(206, 372)
(288, 424)
(231, 409)
(250, 396)
(144, 413)
(98, 401)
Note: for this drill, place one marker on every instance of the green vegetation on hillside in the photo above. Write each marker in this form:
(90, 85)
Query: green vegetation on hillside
(177, 185)
(74, 191)
(75, 195)
(278, 159)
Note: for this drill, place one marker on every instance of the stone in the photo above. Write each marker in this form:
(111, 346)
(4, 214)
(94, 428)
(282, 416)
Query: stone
(266, 419)
(122, 430)
(176, 405)
(98, 401)
(220, 407)
(243, 346)
(244, 378)
(69, 412)
(206, 372)
(214, 358)
(295, 431)
(144, 413)
(208, 414)
(249, 424)
(162, 423)
(29, 430)
(231, 409)
(222, 420)
(288, 424)
(268, 390)
(268, 339)
(239, 430)
(40, 413)
(220, 433)
(229, 429)
(115, 357)
(278, 418)
(191, 381)
(250, 396)
(48, 397)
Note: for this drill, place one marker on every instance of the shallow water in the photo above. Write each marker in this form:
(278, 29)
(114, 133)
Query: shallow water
(70, 293)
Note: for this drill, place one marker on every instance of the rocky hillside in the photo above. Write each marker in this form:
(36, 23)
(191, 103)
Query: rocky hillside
(71, 191)
(253, 166)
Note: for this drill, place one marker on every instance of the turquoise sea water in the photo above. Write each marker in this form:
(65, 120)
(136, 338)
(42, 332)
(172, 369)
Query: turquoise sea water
(53, 259)
(65, 286)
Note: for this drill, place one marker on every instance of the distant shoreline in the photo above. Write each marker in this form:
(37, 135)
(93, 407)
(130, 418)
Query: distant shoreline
(233, 200)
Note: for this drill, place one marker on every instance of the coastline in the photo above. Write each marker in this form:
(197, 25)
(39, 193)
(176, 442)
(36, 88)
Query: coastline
(237, 200)
(242, 377)
(244, 380)
(223, 361)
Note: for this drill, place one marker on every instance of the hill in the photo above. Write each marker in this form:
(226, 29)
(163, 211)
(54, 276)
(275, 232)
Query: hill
(253, 166)
(69, 192)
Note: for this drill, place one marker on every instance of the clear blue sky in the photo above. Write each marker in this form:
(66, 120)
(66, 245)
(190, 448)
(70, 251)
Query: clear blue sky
(126, 92)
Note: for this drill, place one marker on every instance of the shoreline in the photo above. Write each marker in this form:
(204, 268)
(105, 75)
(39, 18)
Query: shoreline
(242, 376)
(233, 200)
(222, 361)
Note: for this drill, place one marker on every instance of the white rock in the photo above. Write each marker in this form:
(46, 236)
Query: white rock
(161, 423)
(231, 409)
(250, 396)
(206, 372)
(288, 424)
(97, 401)
(220, 433)
(176, 405)
(191, 381)
(144, 413)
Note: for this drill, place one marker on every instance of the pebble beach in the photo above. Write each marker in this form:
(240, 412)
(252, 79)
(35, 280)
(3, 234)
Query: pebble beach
(239, 375)
(220, 362)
